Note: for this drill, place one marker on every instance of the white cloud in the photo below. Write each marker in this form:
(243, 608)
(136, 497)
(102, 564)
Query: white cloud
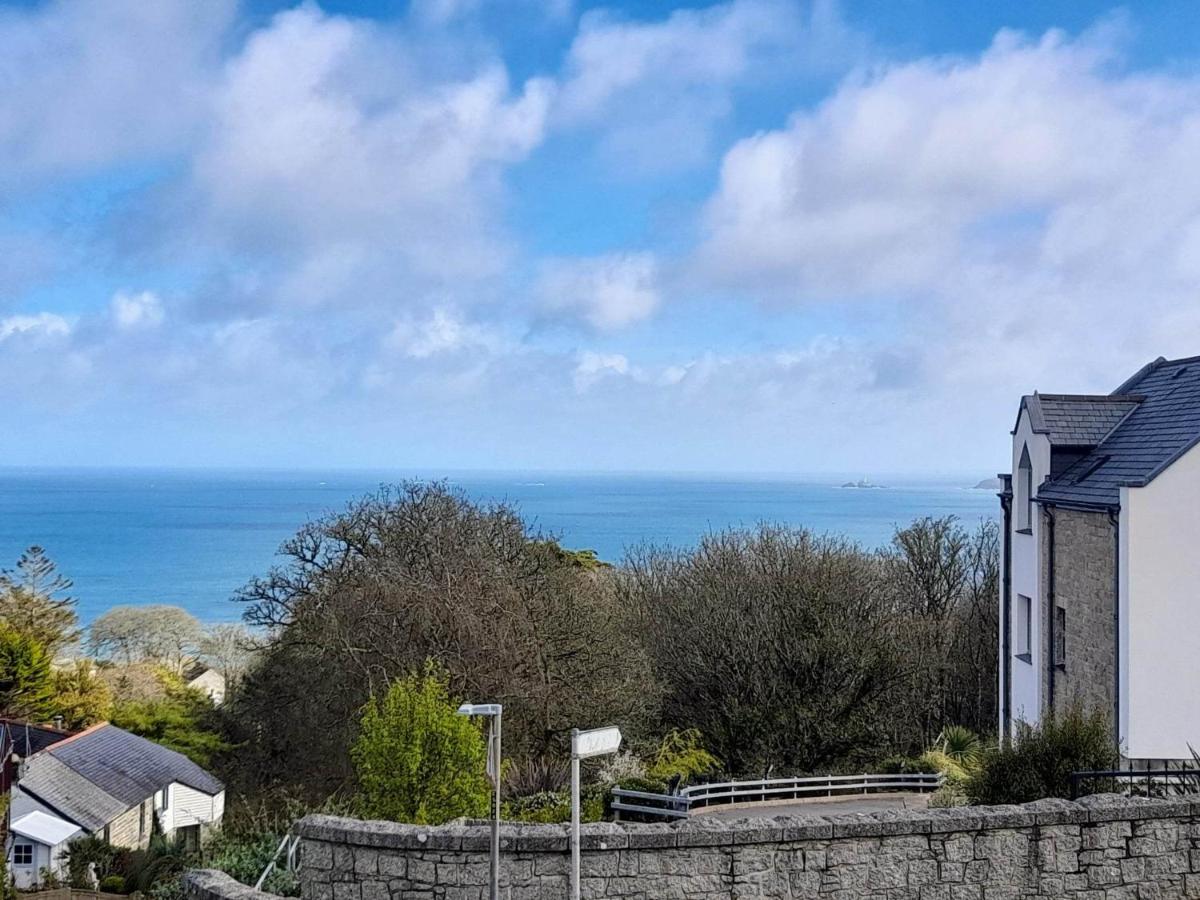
(658, 88)
(594, 366)
(92, 83)
(442, 12)
(442, 331)
(1025, 219)
(142, 310)
(607, 292)
(332, 154)
(39, 324)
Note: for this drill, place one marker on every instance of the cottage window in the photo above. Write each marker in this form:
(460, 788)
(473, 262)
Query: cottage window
(142, 821)
(1025, 492)
(1024, 628)
(22, 854)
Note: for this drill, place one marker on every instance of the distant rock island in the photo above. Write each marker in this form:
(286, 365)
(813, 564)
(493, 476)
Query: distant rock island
(989, 484)
(862, 483)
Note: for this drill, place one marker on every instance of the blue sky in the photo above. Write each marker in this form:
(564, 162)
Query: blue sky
(757, 235)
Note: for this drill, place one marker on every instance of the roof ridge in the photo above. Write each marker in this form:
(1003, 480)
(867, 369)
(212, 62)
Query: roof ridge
(75, 736)
(1140, 374)
(1096, 398)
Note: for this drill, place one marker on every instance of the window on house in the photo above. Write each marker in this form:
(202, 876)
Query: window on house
(142, 821)
(166, 804)
(1025, 492)
(22, 854)
(1060, 636)
(107, 834)
(1024, 634)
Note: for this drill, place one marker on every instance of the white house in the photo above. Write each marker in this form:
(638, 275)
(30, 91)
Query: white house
(1100, 577)
(108, 782)
(210, 681)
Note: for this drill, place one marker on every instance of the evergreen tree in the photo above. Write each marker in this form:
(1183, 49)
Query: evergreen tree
(34, 600)
(26, 682)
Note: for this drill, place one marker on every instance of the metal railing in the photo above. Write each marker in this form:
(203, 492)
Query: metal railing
(1161, 782)
(666, 806)
(766, 790)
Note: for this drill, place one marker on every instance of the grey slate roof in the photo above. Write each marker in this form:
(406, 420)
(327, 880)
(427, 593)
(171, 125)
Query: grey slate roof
(68, 793)
(98, 774)
(1163, 423)
(1073, 420)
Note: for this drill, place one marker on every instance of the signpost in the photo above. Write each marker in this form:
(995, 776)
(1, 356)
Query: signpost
(493, 711)
(585, 744)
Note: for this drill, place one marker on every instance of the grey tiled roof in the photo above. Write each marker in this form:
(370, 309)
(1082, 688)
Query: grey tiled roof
(1072, 420)
(98, 774)
(1164, 423)
(68, 793)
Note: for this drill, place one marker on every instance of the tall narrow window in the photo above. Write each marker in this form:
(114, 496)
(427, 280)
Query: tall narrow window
(1024, 635)
(1025, 492)
(1060, 636)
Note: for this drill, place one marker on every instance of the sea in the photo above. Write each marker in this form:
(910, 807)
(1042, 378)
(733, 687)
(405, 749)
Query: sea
(192, 538)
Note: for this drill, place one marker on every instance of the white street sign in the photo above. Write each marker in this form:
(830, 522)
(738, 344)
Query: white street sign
(596, 742)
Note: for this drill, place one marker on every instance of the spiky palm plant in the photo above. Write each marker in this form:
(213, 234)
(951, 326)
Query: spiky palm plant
(960, 744)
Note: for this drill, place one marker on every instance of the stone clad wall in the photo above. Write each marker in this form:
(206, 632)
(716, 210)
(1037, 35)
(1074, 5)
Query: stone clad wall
(1102, 848)
(1084, 588)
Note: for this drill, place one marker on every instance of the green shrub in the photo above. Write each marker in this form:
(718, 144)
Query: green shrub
(89, 852)
(541, 808)
(113, 884)
(417, 760)
(682, 753)
(551, 807)
(946, 796)
(1039, 762)
(245, 854)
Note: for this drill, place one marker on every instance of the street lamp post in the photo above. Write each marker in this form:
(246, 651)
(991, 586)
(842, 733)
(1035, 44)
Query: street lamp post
(585, 744)
(493, 712)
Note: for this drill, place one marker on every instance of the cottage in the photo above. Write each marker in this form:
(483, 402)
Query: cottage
(105, 781)
(1098, 592)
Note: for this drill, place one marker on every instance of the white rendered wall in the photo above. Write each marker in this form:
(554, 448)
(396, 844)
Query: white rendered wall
(1026, 676)
(1160, 613)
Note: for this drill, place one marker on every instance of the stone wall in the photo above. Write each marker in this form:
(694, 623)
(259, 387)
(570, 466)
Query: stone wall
(1101, 848)
(1084, 589)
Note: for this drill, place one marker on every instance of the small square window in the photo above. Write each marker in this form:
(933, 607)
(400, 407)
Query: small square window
(22, 854)
(1024, 630)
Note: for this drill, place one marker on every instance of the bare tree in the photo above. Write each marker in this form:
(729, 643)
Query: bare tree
(420, 572)
(229, 648)
(777, 644)
(944, 583)
(166, 635)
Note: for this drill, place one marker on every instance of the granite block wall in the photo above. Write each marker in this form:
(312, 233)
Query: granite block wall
(1101, 848)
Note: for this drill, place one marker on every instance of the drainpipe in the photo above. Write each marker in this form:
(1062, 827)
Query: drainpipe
(1051, 604)
(1115, 518)
(1006, 616)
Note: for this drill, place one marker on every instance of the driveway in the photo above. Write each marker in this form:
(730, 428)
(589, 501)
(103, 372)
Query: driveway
(818, 806)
